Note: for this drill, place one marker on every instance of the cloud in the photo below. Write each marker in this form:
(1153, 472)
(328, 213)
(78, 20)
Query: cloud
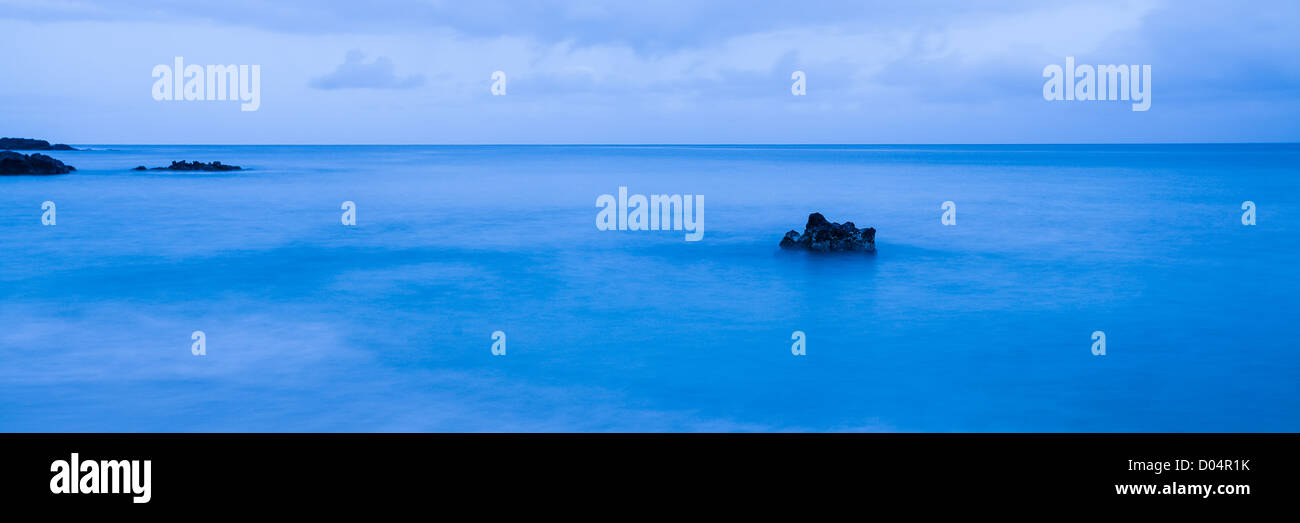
(599, 71)
(649, 26)
(355, 73)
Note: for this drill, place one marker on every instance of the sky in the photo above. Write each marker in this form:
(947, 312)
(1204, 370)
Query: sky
(627, 72)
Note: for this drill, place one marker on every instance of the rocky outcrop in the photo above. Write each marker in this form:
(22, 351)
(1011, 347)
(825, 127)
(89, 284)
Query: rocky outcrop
(29, 144)
(820, 235)
(192, 166)
(19, 163)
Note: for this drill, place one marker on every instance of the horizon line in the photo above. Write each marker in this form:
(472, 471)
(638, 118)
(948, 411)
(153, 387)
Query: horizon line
(720, 144)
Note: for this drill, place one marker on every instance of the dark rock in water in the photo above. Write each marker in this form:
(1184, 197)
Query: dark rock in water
(29, 144)
(193, 166)
(19, 163)
(140, 168)
(821, 235)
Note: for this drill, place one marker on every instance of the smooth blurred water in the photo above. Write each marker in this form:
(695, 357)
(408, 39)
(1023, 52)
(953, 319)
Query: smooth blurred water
(985, 326)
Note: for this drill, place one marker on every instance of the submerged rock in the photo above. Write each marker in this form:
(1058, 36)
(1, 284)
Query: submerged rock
(192, 166)
(821, 235)
(29, 144)
(19, 163)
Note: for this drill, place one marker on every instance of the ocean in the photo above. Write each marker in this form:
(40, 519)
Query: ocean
(985, 325)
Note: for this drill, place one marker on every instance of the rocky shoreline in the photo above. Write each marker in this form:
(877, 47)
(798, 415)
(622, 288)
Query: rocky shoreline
(215, 166)
(12, 163)
(31, 144)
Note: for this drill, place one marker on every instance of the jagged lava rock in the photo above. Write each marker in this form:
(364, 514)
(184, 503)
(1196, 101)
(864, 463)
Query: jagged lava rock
(820, 235)
(193, 166)
(19, 163)
(29, 144)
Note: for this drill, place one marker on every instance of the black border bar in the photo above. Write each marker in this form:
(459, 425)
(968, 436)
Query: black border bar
(742, 471)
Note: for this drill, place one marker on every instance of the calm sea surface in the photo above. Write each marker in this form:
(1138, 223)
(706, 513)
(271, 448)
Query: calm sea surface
(386, 326)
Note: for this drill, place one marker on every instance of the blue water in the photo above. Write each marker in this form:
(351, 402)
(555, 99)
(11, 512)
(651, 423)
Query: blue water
(982, 326)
